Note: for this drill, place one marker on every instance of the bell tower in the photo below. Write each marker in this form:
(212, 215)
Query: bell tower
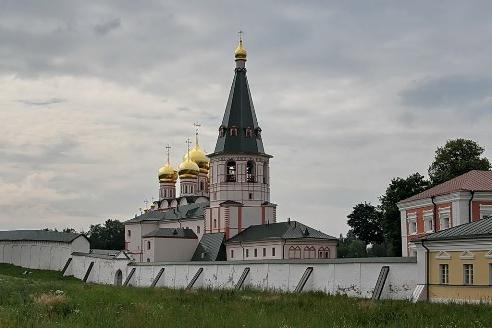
(239, 182)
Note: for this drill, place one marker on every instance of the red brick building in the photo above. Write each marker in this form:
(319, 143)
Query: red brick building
(463, 199)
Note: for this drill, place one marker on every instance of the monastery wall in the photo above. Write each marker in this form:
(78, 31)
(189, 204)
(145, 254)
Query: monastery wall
(353, 277)
(41, 255)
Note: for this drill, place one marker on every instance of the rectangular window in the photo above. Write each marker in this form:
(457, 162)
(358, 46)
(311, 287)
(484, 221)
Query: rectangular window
(468, 274)
(197, 229)
(273, 251)
(264, 252)
(250, 195)
(247, 252)
(443, 274)
(428, 222)
(129, 233)
(256, 252)
(445, 222)
(232, 253)
(148, 245)
(412, 225)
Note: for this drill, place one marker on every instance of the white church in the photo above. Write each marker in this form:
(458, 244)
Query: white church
(222, 209)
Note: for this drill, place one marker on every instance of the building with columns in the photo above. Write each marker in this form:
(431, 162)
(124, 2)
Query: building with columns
(209, 199)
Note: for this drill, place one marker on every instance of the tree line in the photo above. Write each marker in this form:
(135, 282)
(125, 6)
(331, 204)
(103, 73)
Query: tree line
(375, 230)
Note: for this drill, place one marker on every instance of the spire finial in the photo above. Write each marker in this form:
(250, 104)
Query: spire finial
(168, 149)
(240, 53)
(188, 143)
(196, 125)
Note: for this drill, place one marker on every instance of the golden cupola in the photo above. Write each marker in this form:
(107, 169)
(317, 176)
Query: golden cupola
(240, 52)
(167, 173)
(188, 169)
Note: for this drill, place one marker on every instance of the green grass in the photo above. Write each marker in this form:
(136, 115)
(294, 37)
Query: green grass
(30, 301)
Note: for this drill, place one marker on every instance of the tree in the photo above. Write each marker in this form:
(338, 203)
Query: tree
(350, 246)
(365, 221)
(456, 158)
(398, 190)
(111, 235)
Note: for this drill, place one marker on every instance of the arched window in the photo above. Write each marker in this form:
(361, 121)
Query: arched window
(233, 131)
(222, 131)
(306, 253)
(250, 171)
(327, 253)
(202, 185)
(321, 252)
(248, 132)
(294, 252)
(309, 252)
(231, 171)
(148, 244)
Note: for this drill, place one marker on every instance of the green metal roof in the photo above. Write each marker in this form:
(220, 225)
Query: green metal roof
(185, 233)
(188, 211)
(478, 229)
(280, 230)
(210, 248)
(240, 113)
(39, 235)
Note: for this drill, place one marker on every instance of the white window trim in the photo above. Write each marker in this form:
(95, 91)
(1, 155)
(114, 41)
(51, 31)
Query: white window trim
(485, 210)
(412, 218)
(429, 216)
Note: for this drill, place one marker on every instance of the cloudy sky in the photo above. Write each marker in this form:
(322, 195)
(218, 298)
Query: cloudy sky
(348, 94)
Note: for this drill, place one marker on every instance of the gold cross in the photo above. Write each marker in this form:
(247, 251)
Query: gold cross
(196, 125)
(240, 35)
(168, 148)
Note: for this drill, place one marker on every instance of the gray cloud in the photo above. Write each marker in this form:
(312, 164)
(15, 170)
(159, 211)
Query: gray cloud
(45, 102)
(106, 27)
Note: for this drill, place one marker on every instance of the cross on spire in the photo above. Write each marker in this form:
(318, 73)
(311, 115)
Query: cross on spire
(168, 149)
(188, 143)
(240, 35)
(196, 125)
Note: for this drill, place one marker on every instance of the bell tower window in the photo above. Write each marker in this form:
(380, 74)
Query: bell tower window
(258, 133)
(233, 131)
(250, 171)
(231, 171)
(222, 131)
(248, 132)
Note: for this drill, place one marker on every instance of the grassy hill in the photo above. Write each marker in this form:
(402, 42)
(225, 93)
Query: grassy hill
(45, 299)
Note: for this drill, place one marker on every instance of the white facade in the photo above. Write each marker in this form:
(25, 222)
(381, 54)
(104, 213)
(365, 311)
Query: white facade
(42, 255)
(158, 249)
(282, 249)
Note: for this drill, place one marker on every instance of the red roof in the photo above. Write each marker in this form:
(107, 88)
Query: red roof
(471, 181)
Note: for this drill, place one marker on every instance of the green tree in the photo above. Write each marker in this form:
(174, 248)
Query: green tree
(397, 190)
(365, 221)
(350, 246)
(111, 235)
(456, 158)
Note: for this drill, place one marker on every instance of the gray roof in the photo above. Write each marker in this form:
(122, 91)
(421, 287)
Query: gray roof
(185, 233)
(239, 113)
(210, 248)
(280, 230)
(189, 211)
(39, 235)
(478, 229)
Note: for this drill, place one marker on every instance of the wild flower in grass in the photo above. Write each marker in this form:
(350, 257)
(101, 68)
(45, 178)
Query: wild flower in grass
(53, 304)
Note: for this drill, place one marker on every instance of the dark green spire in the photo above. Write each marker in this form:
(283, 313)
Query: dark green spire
(239, 132)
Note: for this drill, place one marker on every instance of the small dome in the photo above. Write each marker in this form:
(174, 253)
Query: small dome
(198, 156)
(240, 53)
(188, 169)
(167, 174)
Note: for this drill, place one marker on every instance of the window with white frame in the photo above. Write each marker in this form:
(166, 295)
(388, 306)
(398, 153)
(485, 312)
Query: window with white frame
(412, 224)
(443, 274)
(485, 211)
(445, 218)
(468, 274)
(232, 253)
(428, 222)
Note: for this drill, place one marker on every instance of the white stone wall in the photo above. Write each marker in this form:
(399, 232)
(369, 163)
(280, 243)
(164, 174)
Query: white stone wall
(353, 277)
(41, 255)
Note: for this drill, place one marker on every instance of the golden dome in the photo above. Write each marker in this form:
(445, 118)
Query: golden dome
(167, 174)
(240, 53)
(198, 156)
(188, 169)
